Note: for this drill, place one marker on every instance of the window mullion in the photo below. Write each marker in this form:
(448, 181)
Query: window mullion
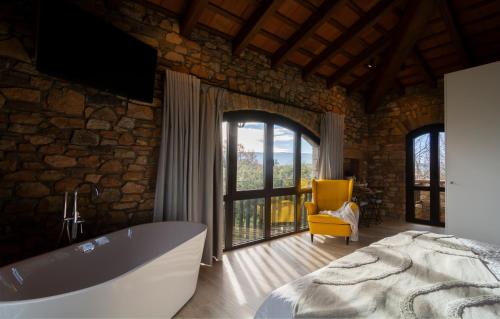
(297, 175)
(434, 175)
(268, 178)
(231, 180)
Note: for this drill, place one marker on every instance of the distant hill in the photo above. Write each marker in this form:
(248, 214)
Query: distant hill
(286, 158)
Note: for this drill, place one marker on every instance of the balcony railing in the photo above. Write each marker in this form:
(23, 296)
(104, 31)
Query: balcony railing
(249, 215)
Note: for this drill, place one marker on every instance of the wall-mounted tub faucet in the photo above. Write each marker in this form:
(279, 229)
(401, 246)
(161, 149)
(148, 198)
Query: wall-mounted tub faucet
(77, 220)
(73, 225)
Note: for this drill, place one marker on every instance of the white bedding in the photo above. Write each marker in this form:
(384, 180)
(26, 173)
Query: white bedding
(410, 275)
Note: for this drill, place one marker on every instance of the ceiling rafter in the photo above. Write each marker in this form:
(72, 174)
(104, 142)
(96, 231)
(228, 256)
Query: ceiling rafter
(339, 26)
(378, 45)
(287, 20)
(456, 36)
(363, 22)
(306, 4)
(361, 81)
(298, 38)
(296, 25)
(411, 26)
(424, 67)
(355, 7)
(254, 24)
(191, 16)
(320, 39)
(227, 14)
(157, 7)
(272, 36)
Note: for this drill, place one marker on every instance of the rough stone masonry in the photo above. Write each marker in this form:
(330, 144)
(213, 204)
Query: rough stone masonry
(55, 134)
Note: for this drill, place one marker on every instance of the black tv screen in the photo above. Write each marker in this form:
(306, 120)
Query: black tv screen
(77, 46)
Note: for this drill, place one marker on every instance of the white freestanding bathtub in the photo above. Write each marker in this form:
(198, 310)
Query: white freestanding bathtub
(148, 270)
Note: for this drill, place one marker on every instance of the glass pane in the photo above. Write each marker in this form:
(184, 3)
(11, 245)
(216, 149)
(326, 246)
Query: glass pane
(250, 157)
(248, 220)
(422, 204)
(282, 214)
(422, 159)
(442, 163)
(283, 157)
(442, 207)
(307, 197)
(224, 157)
(309, 155)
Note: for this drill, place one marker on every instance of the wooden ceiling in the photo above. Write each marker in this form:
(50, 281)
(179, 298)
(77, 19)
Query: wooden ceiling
(368, 45)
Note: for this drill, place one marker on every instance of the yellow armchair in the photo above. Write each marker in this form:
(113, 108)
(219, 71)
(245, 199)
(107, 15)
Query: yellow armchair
(329, 195)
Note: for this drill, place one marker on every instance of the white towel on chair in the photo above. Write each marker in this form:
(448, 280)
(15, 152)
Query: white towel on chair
(348, 215)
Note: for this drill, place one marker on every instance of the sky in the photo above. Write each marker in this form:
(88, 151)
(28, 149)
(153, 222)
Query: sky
(252, 137)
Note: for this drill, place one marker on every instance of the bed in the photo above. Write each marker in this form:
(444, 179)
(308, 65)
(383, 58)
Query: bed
(413, 274)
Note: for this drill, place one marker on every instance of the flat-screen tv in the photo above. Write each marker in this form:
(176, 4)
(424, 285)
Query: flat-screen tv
(77, 46)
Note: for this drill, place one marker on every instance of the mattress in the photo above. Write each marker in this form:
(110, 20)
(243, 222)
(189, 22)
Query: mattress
(463, 263)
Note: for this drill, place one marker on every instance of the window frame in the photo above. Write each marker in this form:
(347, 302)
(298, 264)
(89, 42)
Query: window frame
(434, 188)
(232, 194)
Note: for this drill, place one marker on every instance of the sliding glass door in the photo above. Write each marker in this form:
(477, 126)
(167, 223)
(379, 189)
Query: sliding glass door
(269, 162)
(425, 167)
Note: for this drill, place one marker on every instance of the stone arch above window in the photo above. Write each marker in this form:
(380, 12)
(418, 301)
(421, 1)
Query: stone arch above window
(238, 102)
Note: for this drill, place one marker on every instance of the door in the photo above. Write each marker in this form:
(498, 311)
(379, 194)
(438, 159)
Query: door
(268, 165)
(425, 175)
(472, 114)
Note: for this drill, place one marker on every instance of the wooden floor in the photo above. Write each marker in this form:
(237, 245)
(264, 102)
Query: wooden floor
(236, 286)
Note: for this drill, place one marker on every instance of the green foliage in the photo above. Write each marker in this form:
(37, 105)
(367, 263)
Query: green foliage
(250, 173)
(248, 218)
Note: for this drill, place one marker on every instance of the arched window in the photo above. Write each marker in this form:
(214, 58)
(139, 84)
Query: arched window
(425, 175)
(269, 162)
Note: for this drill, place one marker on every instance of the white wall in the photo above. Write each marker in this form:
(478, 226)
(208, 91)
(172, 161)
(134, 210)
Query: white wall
(472, 124)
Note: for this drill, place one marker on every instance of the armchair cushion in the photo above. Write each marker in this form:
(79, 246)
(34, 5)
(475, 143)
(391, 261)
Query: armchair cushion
(331, 194)
(311, 208)
(325, 219)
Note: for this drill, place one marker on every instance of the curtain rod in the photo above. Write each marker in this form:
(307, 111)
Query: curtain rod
(163, 66)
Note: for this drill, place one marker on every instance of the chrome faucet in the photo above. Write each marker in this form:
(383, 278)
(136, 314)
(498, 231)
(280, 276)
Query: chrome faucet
(71, 225)
(77, 220)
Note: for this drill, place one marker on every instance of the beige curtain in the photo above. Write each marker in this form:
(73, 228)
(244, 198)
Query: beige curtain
(189, 176)
(211, 188)
(331, 149)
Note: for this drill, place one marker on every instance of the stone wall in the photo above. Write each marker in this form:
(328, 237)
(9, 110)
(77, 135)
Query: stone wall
(356, 140)
(309, 119)
(387, 128)
(55, 134)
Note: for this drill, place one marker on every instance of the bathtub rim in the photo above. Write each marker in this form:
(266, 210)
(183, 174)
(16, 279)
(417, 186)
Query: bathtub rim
(133, 269)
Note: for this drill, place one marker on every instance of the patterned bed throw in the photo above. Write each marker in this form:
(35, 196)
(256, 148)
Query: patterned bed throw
(410, 275)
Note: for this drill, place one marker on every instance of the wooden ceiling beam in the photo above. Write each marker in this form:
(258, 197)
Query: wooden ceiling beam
(356, 8)
(320, 39)
(360, 82)
(339, 26)
(254, 24)
(158, 8)
(365, 21)
(412, 24)
(378, 45)
(272, 36)
(286, 20)
(424, 67)
(307, 5)
(456, 36)
(307, 29)
(227, 14)
(191, 16)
